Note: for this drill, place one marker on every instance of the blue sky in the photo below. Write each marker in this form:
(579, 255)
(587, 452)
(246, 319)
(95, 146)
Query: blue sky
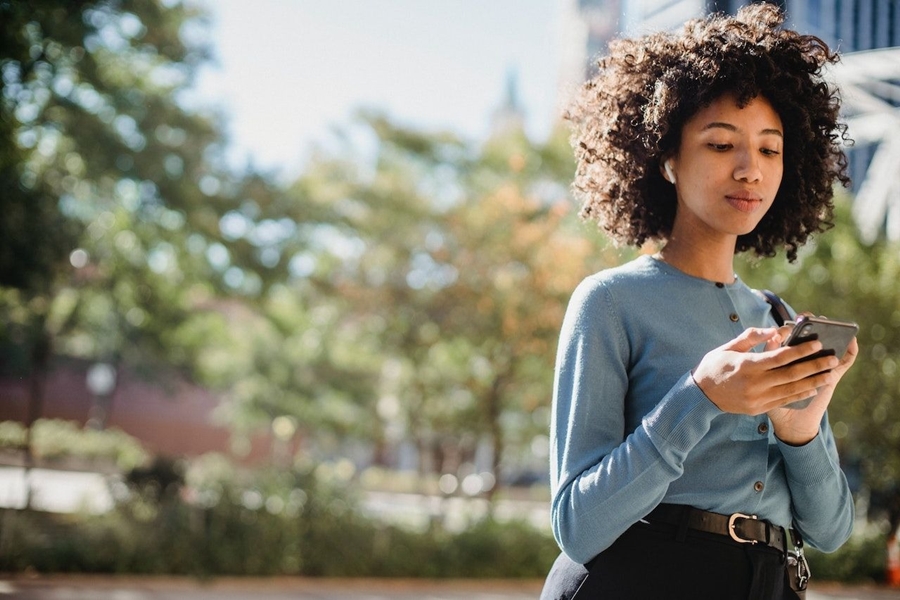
(289, 70)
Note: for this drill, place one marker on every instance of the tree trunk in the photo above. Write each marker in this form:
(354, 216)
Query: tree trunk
(40, 362)
(494, 410)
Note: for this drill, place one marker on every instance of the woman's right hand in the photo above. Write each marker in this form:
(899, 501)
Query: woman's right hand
(738, 380)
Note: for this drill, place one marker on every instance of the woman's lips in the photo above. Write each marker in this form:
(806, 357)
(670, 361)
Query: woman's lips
(744, 201)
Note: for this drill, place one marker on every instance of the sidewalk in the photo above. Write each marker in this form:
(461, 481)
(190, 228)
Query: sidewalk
(827, 591)
(59, 587)
(92, 587)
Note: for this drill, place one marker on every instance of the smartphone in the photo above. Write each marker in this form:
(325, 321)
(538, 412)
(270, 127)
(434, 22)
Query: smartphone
(834, 335)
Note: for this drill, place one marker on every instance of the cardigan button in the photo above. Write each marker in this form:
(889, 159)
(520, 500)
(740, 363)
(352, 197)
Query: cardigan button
(758, 486)
(719, 284)
(734, 317)
(763, 428)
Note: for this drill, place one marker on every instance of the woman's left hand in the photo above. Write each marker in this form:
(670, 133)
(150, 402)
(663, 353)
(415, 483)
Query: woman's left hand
(798, 426)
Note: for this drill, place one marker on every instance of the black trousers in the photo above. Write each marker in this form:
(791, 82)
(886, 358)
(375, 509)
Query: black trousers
(652, 562)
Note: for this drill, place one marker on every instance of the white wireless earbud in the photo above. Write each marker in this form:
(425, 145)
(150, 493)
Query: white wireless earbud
(668, 167)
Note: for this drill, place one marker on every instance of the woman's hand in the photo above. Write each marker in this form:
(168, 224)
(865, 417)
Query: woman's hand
(799, 426)
(738, 380)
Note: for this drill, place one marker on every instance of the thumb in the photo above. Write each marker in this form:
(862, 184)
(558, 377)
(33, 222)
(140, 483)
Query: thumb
(750, 338)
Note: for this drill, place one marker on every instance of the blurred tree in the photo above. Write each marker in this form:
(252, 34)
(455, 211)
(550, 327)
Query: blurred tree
(293, 362)
(292, 368)
(839, 276)
(409, 288)
(112, 191)
(519, 253)
(452, 266)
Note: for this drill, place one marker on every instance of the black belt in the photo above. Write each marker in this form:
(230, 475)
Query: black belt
(745, 529)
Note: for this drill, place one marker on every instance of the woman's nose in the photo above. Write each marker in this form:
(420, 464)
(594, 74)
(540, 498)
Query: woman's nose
(747, 168)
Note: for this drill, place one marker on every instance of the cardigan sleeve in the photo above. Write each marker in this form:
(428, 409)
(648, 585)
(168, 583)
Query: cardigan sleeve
(821, 501)
(604, 480)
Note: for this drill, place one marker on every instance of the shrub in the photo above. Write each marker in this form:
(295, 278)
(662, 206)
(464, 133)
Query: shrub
(54, 440)
(225, 522)
(269, 523)
(862, 558)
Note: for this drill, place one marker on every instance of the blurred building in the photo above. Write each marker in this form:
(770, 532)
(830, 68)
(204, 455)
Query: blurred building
(866, 32)
(173, 418)
(509, 116)
(848, 25)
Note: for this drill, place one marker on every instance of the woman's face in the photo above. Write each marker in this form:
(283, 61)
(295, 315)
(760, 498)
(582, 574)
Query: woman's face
(728, 168)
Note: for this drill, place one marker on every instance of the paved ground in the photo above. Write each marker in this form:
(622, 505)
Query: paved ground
(110, 588)
(92, 588)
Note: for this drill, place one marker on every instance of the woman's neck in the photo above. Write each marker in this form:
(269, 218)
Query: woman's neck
(714, 263)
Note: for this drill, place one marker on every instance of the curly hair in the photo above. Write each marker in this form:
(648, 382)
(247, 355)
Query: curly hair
(632, 113)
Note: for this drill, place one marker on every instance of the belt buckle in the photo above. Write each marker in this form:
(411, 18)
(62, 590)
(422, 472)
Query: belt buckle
(731, 524)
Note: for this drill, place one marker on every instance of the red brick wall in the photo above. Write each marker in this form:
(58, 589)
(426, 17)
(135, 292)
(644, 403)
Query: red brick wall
(174, 419)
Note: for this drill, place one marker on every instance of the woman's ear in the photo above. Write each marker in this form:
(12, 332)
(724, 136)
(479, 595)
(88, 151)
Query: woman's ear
(669, 174)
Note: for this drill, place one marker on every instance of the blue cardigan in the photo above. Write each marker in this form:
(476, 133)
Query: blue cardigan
(631, 429)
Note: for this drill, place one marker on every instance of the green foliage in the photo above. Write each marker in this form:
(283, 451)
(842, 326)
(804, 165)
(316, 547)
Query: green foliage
(448, 270)
(226, 522)
(861, 559)
(413, 294)
(115, 193)
(12, 435)
(272, 523)
(513, 547)
(57, 440)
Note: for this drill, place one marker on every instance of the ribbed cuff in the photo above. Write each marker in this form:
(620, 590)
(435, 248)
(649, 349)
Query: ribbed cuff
(682, 418)
(809, 464)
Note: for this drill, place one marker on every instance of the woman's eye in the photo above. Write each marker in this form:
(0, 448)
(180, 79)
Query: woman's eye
(720, 147)
(770, 152)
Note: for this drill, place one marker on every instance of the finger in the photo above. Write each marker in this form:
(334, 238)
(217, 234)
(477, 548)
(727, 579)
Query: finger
(806, 395)
(785, 355)
(782, 334)
(801, 377)
(805, 370)
(750, 338)
(800, 389)
(784, 331)
(849, 357)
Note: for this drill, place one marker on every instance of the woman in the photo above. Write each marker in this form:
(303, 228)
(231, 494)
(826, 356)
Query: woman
(678, 470)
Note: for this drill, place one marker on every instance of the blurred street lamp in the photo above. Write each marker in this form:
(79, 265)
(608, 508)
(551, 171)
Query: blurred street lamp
(283, 430)
(101, 381)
